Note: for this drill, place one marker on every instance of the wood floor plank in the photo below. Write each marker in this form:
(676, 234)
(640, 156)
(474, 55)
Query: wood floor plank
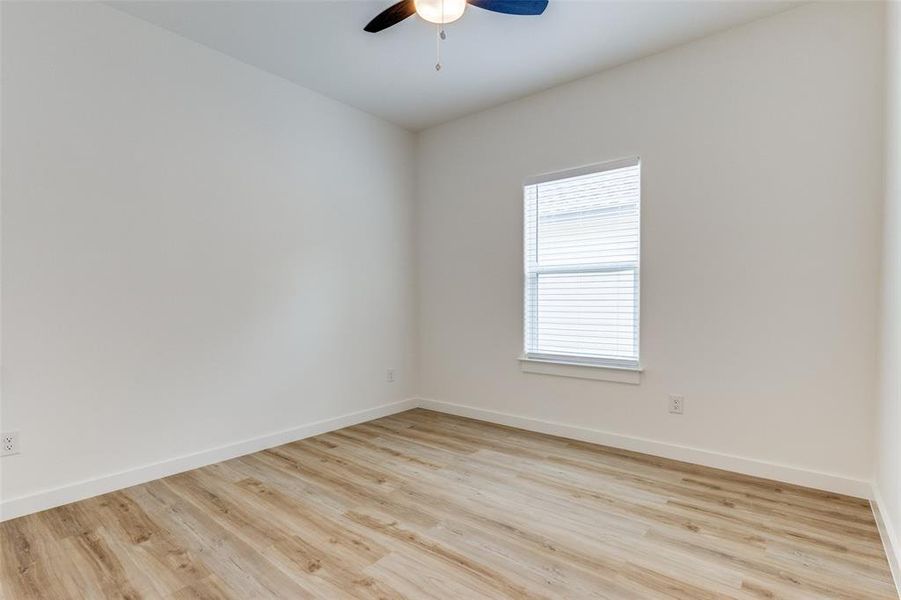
(423, 505)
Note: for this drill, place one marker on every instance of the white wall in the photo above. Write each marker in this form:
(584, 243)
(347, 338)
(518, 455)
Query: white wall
(762, 181)
(189, 261)
(193, 250)
(888, 472)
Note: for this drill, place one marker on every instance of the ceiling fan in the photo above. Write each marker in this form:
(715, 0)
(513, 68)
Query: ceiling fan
(442, 12)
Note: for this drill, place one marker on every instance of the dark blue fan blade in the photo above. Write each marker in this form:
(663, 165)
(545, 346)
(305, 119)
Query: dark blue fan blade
(512, 7)
(392, 15)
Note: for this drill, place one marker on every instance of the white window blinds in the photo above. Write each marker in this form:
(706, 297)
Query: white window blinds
(582, 240)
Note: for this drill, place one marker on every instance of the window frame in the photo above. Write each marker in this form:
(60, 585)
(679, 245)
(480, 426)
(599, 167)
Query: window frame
(572, 365)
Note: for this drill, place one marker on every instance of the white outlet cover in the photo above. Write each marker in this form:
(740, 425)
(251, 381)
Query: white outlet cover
(9, 443)
(676, 404)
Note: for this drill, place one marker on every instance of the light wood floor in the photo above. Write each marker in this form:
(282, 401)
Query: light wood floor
(424, 505)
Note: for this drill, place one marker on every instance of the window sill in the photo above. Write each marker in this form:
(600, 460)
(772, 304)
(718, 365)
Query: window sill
(630, 375)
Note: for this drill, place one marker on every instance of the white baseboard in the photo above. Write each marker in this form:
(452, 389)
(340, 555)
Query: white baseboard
(814, 479)
(23, 505)
(890, 535)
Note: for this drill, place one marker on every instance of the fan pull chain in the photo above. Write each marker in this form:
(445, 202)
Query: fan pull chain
(438, 33)
(438, 38)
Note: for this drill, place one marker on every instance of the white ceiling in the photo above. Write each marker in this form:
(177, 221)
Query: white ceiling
(488, 58)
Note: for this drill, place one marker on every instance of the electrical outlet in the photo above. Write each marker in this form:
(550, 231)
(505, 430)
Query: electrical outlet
(676, 404)
(389, 375)
(10, 443)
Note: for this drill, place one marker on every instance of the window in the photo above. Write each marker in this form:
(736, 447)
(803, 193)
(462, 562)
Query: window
(582, 241)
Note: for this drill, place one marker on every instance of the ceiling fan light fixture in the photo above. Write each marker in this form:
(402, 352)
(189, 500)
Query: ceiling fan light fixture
(440, 11)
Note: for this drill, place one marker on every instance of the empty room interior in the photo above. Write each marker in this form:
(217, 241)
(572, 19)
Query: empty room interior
(450, 299)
